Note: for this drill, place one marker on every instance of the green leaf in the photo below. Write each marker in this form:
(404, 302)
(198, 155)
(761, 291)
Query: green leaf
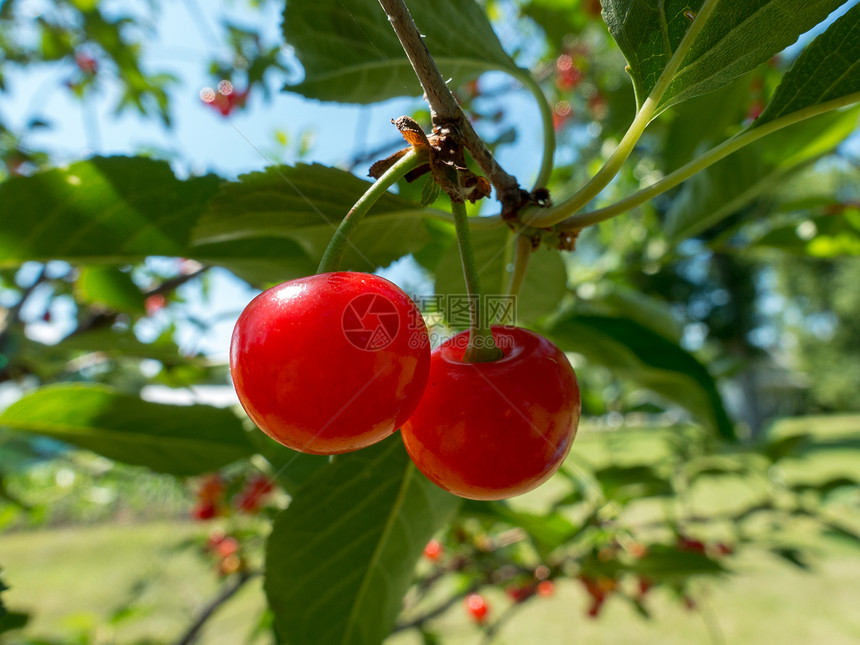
(108, 210)
(181, 440)
(629, 482)
(704, 121)
(543, 288)
(669, 564)
(292, 469)
(619, 301)
(350, 53)
(635, 352)
(111, 288)
(10, 620)
(737, 37)
(3, 611)
(826, 487)
(825, 236)
(304, 204)
(430, 191)
(792, 556)
(548, 530)
(828, 69)
(258, 260)
(341, 556)
(753, 171)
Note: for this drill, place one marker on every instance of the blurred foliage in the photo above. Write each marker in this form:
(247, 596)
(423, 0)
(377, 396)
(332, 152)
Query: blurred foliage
(700, 316)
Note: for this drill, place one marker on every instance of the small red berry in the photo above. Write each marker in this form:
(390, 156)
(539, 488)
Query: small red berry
(568, 74)
(226, 99)
(592, 8)
(230, 564)
(594, 608)
(477, 607)
(211, 489)
(86, 63)
(204, 510)
(561, 114)
(520, 593)
(227, 547)
(721, 548)
(690, 544)
(154, 303)
(256, 489)
(433, 550)
(546, 588)
(215, 538)
(755, 109)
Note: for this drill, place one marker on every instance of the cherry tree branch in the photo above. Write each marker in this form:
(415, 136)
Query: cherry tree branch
(228, 592)
(446, 113)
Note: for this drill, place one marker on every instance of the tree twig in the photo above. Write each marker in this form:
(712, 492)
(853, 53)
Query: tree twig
(440, 609)
(444, 109)
(225, 595)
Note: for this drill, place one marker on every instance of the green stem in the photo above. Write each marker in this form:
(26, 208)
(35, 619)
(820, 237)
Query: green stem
(533, 86)
(522, 254)
(648, 111)
(707, 159)
(482, 348)
(334, 251)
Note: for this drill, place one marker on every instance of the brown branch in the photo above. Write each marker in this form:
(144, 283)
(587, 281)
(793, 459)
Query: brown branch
(440, 609)
(225, 595)
(446, 113)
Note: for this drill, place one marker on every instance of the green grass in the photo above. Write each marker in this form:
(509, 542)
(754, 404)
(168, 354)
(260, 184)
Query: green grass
(74, 579)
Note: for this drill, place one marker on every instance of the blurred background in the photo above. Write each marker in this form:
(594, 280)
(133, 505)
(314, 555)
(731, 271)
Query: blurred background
(752, 268)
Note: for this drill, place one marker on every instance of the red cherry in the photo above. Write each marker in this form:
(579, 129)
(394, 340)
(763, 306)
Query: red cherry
(211, 489)
(721, 548)
(227, 547)
(226, 103)
(592, 8)
(546, 588)
(561, 114)
(215, 538)
(689, 544)
(154, 303)
(595, 607)
(253, 494)
(519, 593)
(86, 63)
(433, 550)
(313, 377)
(569, 75)
(494, 430)
(477, 607)
(230, 564)
(204, 510)
(756, 107)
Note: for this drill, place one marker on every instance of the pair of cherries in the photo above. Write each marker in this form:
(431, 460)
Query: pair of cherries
(335, 362)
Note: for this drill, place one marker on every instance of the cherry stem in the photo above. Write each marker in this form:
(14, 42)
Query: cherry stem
(444, 109)
(481, 348)
(333, 254)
